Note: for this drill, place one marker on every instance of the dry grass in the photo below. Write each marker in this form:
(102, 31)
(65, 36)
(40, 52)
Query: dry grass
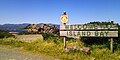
(54, 47)
(29, 38)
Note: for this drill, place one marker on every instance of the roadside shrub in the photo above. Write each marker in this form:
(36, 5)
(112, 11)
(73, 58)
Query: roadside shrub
(48, 36)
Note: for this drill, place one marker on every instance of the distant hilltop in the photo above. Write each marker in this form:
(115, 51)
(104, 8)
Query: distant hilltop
(19, 27)
(42, 28)
(13, 26)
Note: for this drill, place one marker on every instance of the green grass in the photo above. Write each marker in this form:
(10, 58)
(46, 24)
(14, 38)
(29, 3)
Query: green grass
(54, 47)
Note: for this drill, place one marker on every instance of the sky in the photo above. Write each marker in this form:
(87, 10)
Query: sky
(49, 11)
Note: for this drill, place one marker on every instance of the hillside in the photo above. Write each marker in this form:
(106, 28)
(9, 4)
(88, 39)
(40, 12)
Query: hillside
(13, 26)
(19, 27)
(42, 28)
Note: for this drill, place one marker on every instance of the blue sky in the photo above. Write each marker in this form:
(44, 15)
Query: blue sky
(49, 11)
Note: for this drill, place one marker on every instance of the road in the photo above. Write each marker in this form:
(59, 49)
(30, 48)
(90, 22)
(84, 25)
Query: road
(15, 54)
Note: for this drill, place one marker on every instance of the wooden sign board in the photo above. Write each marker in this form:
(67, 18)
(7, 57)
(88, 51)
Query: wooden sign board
(89, 30)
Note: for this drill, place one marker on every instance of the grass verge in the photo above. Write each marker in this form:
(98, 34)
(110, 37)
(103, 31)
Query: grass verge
(54, 47)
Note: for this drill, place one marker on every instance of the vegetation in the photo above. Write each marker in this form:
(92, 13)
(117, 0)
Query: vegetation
(103, 23)
(53, 45)
(105, 40)
(4, 34)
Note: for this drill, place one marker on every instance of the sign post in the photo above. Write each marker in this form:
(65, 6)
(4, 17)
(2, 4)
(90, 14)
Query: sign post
(64, 20)
(111, 44)
(87, 30)
(64, 42)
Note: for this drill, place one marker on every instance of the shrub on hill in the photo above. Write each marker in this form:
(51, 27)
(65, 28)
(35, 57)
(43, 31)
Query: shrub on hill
(5, 34)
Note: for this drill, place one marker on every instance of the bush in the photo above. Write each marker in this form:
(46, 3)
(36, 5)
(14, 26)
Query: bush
(5, 34)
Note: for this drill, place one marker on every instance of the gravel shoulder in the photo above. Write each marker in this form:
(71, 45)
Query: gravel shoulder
(7, 53)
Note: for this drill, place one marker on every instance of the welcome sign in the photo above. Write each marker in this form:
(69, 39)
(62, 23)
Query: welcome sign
(89, 30)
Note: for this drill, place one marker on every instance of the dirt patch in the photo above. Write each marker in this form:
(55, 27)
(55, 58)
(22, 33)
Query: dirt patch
(29, 38)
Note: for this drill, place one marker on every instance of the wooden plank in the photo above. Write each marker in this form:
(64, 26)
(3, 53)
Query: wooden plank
(88, 30)
(88, 27)
(77, 34)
